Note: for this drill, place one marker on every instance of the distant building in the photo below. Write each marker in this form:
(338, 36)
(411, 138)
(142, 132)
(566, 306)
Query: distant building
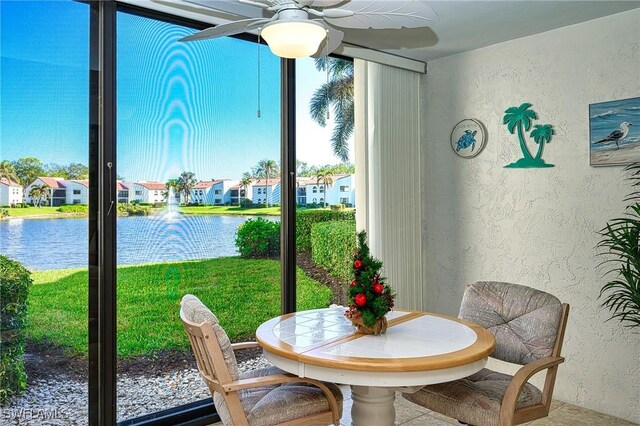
(215, 192)
(58, 190)
(341, 191)
(77, 191)
(122, 189)
(11, 193)
(261, 190)
(147, 192)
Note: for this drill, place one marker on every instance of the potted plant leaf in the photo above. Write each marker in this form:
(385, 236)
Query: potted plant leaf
(620, 245)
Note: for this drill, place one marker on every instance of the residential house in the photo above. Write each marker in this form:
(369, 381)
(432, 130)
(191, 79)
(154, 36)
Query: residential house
(123, 192)
(266, 192)
(342, 191)
(58, 190)
(215, 192)
(238, 193)
(11, 193)
(77, 191)
(147, 192)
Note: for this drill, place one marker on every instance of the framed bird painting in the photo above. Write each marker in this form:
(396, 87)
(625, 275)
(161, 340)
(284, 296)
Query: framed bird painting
(614, 132)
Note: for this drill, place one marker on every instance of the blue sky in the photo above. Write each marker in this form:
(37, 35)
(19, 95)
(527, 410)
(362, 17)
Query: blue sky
(181, 106)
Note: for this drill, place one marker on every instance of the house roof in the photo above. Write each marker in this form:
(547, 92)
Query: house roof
(207, 184)
(81, 182)
(52, 182)
(153, 186)
(8, 182)
(263, 182)
(121, 185)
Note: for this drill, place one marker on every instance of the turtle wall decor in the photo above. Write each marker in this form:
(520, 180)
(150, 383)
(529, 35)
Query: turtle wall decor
(518, 119)
(468, 138)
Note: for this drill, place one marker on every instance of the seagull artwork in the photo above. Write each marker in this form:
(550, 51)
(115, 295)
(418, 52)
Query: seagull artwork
(616, 135)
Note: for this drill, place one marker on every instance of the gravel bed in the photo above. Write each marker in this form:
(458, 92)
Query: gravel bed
(64, 401)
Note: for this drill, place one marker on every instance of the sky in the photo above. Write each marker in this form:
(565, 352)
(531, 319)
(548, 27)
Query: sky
(181, 106)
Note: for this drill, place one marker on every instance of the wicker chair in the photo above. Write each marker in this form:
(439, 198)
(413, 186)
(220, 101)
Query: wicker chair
(264, 397)
(529, 328)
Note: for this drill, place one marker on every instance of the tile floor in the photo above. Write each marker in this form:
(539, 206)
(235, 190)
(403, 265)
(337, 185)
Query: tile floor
(561, 414)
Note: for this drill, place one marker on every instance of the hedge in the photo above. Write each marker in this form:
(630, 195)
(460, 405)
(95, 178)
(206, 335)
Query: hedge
(15, 281)
(333, 245)
(306, 218)
(74, 208)
(258, 238)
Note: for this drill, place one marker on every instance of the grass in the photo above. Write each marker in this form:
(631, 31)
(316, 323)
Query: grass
(35, 211)
(229, 210)
(242, 293)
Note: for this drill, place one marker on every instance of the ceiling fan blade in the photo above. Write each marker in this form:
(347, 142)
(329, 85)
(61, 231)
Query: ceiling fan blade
(385, 15)
(257, 3)
(231, 28)
(327, 3)
(334, 38)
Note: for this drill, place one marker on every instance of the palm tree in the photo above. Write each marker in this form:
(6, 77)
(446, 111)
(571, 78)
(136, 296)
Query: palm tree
(520, 117)
(244, 185)
(39, 194)
(8, 172)
(336, 93)
(186, 182)
(541, 134)
(324, 177)
(267, 168)
(172, 184)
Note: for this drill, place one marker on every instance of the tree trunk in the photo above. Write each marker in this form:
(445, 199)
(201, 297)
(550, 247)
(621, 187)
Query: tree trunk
(523, 145)
(540, 148)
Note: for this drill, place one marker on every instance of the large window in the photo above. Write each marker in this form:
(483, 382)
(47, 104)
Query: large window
(44, 150)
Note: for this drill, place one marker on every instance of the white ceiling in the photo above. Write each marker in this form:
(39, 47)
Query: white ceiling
(463, 26)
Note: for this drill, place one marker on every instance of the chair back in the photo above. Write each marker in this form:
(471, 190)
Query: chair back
(525, 321)
(212, 349)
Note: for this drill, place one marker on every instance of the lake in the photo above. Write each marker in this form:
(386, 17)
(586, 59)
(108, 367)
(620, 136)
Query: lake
(62, 243)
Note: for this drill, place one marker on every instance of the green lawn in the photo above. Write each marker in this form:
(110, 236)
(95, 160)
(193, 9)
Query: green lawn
(229, 210)
(242, 293)
(34, 211)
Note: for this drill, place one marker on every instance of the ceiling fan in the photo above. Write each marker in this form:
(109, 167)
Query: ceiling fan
(299, 28)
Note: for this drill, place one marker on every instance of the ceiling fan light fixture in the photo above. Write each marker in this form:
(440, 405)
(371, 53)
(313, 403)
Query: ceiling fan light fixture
(293, 39)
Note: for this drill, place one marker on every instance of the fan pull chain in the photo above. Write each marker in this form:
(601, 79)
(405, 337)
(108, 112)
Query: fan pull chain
(259, 112)
(326, 63)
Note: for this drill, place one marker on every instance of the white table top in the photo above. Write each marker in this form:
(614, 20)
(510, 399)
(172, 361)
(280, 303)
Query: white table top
(418, 348)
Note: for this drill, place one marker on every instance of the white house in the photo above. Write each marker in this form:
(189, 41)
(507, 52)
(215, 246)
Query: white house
(215, 192)
(57, 186)
(147, 192)
(122, 189)
(11, 193)
(262, 191)
(341, 191)
(77, 191)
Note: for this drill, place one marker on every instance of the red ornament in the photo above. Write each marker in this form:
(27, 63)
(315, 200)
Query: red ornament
(360, 299)
(353, 283)
(378, 288)
(357, 264)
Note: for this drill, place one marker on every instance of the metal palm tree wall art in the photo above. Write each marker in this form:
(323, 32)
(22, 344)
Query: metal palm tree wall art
(518, 119)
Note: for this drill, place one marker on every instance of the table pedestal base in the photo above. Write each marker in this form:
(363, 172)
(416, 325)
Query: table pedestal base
(372, 406)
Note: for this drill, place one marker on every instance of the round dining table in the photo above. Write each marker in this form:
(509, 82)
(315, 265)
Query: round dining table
(418, 349)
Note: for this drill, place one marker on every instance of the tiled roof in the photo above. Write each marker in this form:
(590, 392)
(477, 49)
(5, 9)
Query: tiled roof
(81, 182)
(263, 182)
(121, 186)
(52, 182)
(153, 186)
(8, 182)
(207, 184)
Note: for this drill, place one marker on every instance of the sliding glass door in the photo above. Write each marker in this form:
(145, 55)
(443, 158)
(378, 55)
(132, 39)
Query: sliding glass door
(199, 185)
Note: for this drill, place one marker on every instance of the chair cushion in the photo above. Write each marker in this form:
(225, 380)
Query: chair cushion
(523, 320)
(475, 399)
(196, 312)
(274, 404)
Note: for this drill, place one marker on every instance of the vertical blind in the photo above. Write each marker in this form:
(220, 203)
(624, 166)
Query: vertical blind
(387, 110)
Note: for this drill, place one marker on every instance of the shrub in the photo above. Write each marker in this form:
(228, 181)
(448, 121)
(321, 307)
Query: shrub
(4, 213)
(258, 238)
(159, 204)
(306, 218)
(246, 203)
(332, 246)
(337, 206)
(73, 208)
(14, 289)
(133, 209)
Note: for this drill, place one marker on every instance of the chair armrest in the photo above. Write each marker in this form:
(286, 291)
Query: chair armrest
(284, 378)
(520, 379)
(244, 345)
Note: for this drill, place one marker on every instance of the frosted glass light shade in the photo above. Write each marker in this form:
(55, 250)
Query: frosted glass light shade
(293, 39)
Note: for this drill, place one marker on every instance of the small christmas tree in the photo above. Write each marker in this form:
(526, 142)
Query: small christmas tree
(369, 297)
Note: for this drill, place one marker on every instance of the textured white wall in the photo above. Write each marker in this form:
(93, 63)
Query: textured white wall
(535, 227)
